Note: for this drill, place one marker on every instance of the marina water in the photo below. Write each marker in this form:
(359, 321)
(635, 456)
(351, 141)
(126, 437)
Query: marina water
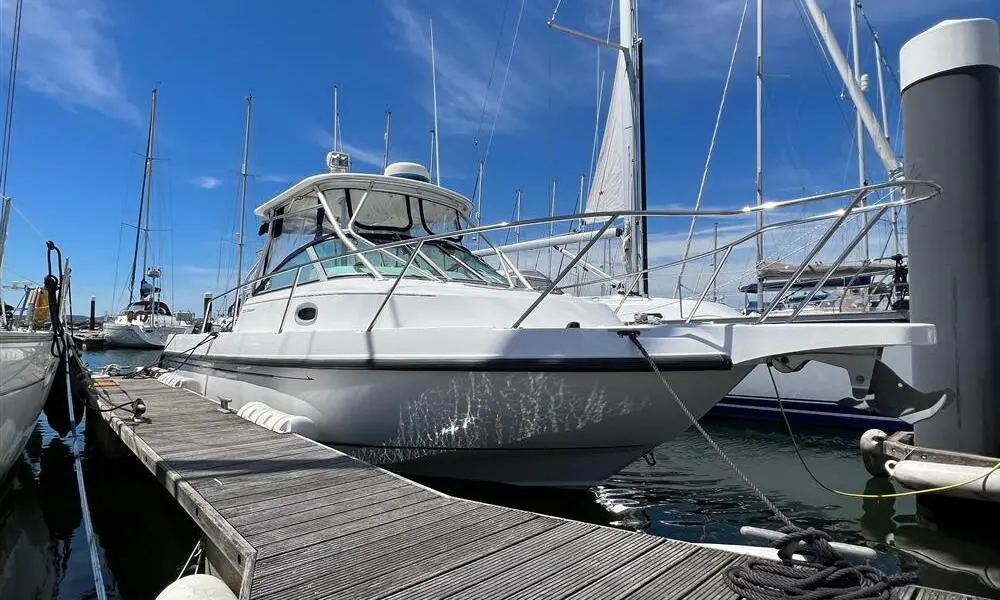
(683, 491)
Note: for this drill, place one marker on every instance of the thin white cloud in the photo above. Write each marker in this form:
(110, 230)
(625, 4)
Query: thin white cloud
(67, 54)
(359, 154)
(363, 155)
(465, 57)
(207, 182)
(694, 38)
(273, 178)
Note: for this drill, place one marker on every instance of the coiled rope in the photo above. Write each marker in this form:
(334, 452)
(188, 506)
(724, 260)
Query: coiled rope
(821, 576)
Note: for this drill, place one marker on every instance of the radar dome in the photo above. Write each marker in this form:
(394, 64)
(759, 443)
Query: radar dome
(408, 170)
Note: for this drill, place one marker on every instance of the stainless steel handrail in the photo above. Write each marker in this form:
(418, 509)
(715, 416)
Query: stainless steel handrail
(395, 283)
(934, 189)
(812, 253)
(579, 256)
(840, 259)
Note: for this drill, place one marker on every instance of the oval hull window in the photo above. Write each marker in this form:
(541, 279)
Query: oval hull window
(305, 314)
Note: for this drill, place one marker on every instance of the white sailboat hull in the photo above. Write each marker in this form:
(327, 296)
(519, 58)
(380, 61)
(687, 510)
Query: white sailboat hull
(27, 370)
(138, 336)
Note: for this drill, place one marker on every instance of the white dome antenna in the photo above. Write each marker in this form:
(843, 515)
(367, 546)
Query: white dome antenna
(408, 170)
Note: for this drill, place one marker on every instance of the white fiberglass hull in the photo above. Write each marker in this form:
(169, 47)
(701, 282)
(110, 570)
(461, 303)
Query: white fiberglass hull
(137, 336)
(554, 407)
(669, 309)
(27, 370)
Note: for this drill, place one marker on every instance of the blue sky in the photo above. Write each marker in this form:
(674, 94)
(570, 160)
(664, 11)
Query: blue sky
(87, 68)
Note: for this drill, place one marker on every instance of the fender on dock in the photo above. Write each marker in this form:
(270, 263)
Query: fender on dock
(197, 587)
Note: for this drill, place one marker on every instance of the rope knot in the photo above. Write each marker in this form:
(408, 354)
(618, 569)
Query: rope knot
(816, 544)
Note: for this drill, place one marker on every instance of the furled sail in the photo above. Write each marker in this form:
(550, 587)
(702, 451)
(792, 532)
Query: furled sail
(612, 186)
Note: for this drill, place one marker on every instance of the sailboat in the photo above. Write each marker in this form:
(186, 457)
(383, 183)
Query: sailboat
(618, 184)
(27, 364)
(146, 321)
(28, 357)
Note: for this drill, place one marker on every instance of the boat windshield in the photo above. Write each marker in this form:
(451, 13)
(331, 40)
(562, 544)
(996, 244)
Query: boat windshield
(438, 259)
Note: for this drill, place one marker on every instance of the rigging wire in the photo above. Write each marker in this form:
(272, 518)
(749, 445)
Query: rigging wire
(9, 109)
(711, 145)
(503, 85)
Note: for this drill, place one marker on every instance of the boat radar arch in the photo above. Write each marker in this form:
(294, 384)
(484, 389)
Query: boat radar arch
(408, 170)
(338, 162)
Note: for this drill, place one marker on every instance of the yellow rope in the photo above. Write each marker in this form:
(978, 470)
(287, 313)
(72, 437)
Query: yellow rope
(798, 453)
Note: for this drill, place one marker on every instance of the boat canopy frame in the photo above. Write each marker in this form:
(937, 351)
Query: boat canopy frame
(915, 191)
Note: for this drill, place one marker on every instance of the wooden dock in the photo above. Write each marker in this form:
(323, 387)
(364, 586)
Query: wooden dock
(289, 518)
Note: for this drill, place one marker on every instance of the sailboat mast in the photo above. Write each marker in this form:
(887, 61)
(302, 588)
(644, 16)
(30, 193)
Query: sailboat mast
(146, 176)
(859, 128)
(759, 180)
(631, 45)
(885, 128)
(243, 187)
(641, 135)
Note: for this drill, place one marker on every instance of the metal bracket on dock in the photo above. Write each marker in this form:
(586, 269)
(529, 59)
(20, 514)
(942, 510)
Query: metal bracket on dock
(224, 404)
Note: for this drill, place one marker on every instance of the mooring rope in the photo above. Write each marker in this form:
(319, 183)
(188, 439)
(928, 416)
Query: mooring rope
(822, 576)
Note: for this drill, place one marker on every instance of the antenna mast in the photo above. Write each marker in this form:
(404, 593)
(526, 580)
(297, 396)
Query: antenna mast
(243, 187)
(388, 131)
(436, 158)
(337, 142)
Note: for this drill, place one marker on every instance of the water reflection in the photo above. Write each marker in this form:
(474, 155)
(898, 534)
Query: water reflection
(143, 536)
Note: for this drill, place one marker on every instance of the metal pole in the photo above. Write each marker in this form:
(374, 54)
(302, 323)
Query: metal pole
(859, 128)
(437, 154)
(880, 80)
(882, 146)
(388, 131)
(335, 146)
(243, 188)
(715, 261)
(759, 179)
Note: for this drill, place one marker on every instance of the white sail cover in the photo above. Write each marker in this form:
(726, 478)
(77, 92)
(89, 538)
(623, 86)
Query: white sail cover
(612, 186)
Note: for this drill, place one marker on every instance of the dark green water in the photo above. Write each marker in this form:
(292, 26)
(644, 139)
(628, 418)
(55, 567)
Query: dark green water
(688, 494)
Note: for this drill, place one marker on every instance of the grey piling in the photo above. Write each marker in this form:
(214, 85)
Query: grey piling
(950, 77)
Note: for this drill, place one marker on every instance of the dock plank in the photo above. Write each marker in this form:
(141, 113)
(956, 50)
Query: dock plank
(297, 520)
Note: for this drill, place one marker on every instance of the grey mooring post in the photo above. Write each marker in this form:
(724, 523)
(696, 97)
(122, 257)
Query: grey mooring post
(950, 75)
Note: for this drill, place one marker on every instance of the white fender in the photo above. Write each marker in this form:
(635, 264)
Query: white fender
(921, 475)
(197, 587)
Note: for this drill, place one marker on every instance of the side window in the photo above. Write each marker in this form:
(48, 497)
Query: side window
(285, 279)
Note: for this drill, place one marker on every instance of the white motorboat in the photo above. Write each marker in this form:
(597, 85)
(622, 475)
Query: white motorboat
(370, 327)
(148, 321)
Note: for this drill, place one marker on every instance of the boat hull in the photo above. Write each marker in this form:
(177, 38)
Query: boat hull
(565, 422)
(26, 375)
(136, 336)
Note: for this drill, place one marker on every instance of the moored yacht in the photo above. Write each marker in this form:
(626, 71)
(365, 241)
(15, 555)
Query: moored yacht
(148, 321)
(371, 327)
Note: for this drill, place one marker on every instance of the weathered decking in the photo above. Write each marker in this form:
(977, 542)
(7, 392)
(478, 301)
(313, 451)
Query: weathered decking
(300, 520)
